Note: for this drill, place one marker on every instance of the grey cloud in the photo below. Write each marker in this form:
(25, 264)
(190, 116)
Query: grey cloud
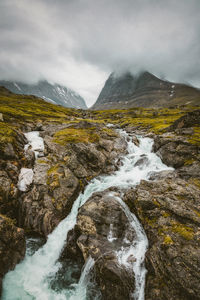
(79, 42)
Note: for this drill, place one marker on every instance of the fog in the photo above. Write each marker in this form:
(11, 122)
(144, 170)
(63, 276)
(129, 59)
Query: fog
(78, 43)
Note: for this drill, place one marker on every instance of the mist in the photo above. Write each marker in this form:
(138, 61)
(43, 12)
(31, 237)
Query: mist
(78, 43)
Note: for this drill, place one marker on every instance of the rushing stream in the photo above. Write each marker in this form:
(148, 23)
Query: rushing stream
(31, 278)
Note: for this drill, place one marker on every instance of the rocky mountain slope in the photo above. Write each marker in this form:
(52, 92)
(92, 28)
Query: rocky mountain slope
(79, 146)
(144, 90)
(53, 93)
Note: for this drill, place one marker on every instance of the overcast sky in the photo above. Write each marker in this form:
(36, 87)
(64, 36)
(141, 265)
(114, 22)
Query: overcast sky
(79, 42)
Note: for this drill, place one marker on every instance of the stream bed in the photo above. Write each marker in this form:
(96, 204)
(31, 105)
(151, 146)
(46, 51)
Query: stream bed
(33, 277)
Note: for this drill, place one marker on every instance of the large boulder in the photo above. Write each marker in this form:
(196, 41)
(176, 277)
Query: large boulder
(191, 119)
(12, 246)
(102, 230)
(175, 151)
(169, 210)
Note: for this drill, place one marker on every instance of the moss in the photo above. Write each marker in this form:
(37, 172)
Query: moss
(74, 135)
(42, 161)
(166, 214)
(168, 240)
(7, 134)
(151, 221)
(21, 108)
(82, 185)
(110, 132)
(185, 231)
(197, 213)
(53, 176)
(156, 202)
(53, 170)
(9, 221)
(189, 162)
(195, 138)
(196, 181)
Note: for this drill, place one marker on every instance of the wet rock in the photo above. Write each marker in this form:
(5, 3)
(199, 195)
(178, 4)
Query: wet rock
(162, 175)
(135, 140)
(30, 157)
(174, 151)
(190, 170)
(189, 120)
(12, 246)
(102, 229)
(142, 162)
(169, 210)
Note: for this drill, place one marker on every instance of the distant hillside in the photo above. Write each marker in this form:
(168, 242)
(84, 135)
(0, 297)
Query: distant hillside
(144, 90)
(53, 93)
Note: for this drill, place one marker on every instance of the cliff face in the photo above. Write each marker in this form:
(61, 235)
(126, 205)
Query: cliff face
(144, 90)
(53, 93)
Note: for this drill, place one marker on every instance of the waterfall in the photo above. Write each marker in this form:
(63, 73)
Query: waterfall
(31, 278)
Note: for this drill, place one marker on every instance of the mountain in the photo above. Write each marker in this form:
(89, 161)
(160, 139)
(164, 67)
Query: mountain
(144, 90)
(53, 93)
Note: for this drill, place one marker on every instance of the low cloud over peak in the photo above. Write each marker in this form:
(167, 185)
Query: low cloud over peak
(79, 43)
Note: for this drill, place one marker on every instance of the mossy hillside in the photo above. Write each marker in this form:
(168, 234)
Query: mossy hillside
(154, 120)
(76, 135)
(7, 133)
(82, 135)
(19, 108)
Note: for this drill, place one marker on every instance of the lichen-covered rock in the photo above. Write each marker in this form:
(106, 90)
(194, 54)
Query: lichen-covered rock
(101, 231)
(190, 119)
(11, 160)
(63, 172)
(12, 246)
(169, 210)
(174, 151)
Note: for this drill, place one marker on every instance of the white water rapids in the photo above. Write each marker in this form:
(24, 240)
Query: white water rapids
(30, 279)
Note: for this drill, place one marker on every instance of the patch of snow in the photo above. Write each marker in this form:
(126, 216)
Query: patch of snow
(25, 179)
(36, 142)
(49, 100)
(37, 145)
(109, 125)
(17, 86)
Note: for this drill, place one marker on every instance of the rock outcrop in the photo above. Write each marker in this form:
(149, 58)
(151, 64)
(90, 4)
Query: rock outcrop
(101, 231)
(169, 210)
(12, 159)
(62, 174)
(12, 246)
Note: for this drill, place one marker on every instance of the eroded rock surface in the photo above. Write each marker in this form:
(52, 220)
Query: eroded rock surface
(12, 246)
(169, 210)
(102, 229)
(62, 173)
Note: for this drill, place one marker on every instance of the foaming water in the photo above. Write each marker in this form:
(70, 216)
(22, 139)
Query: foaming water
(31, 278)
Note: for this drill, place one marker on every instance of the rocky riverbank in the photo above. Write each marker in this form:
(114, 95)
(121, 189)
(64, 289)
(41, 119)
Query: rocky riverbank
(168, 206)
(78, 147)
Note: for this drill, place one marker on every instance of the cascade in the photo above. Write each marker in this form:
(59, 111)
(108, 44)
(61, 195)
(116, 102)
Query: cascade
(31, 278)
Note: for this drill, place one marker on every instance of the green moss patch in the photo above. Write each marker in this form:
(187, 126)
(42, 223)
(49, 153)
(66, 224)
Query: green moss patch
(74, 135)
(195, 138)
(185, 231)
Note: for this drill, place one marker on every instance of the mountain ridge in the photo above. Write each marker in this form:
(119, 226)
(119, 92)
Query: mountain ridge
(144, 90)
(53, 93)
